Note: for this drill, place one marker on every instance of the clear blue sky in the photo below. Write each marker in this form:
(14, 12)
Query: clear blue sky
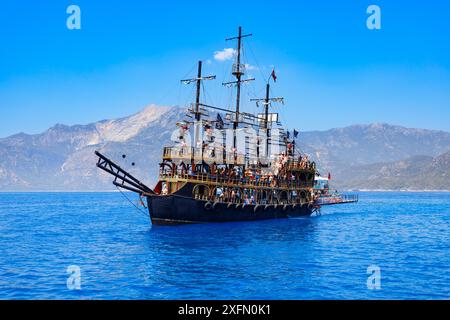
(331, 69)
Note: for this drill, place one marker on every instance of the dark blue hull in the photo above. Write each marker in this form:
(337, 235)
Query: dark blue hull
(176, 209)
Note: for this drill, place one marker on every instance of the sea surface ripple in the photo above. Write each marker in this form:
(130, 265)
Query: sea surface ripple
(121, 256)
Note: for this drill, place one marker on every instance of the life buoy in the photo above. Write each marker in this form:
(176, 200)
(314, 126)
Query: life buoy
(229, 205)
(215, 204)
(256, 208)
(267, 206)
(208, 205)
(285, 207)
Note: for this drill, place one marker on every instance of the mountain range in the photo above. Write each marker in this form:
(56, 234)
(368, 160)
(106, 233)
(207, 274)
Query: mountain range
(375, 156)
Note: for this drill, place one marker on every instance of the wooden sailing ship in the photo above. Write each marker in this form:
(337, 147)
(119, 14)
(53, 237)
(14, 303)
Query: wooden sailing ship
(217, 181)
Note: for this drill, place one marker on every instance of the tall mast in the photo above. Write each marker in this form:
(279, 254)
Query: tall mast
(197, 96)
(266, 117)
(237, 71)
(267, 101)
(196, 108)
(238, 75)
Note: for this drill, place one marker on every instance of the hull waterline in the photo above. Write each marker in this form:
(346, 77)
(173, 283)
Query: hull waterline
(175, 209)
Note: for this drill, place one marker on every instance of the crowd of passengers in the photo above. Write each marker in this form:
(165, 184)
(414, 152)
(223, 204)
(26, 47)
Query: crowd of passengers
(249, 176)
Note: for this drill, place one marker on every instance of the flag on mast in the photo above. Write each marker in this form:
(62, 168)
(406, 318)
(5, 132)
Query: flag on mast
(219, 122)
(273, 75)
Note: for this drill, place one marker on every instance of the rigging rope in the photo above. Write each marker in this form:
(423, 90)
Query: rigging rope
(137, 208)
(260, 69)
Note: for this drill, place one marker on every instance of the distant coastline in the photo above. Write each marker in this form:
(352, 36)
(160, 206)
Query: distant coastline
(373, 157)
(392, 190)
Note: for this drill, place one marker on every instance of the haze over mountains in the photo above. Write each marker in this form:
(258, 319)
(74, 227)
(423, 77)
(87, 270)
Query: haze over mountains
(382, 157)
(376, 156)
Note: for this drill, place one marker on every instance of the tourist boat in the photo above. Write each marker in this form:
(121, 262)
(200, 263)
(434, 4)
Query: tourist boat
(240, 166)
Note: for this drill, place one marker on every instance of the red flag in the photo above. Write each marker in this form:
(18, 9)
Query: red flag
(329, 176)
(274, 76)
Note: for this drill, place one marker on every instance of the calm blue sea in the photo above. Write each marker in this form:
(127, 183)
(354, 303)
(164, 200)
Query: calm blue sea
(121, 256)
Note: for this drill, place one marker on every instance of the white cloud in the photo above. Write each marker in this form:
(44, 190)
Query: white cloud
(250, 67)
(225, 54)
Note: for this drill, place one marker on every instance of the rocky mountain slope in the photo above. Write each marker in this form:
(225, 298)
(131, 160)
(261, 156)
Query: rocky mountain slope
(376, 156)
(416, 173)
(62, 158)
(343, 150)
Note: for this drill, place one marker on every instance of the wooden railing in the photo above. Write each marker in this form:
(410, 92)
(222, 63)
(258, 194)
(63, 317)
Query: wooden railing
(241, 182)
(300, 165)
(198, 155)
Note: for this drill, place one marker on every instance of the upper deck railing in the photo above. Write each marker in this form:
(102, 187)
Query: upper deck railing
(209, 156)
(259, 181)
(199, 155)
(296, 165)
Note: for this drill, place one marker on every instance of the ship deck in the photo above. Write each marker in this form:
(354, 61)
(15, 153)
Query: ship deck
(341, 199)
